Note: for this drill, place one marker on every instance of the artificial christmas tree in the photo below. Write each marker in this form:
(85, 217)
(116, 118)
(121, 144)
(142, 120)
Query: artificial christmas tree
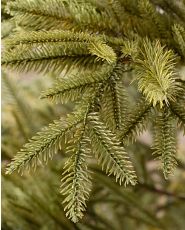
(120, 63)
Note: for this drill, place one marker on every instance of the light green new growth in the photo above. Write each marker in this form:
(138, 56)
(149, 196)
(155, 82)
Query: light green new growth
(103, 51)
(155, 73)
(96, 49)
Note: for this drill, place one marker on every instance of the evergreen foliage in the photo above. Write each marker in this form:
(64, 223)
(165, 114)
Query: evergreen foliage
(109, 152)
(76, 181)
(155, 72)
(164, 142)
(90, 45)
(33, 201)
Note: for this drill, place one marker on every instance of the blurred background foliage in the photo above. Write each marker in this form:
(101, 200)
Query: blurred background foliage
(33, 201)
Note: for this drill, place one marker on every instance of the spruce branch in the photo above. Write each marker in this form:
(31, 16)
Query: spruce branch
(54, 36)
(135, 122)
(90, 66)
(117, 10)
(46, 143)
(114, 106)
(55, 64)
(28, 57)
(131, 48)
(178, 111)
(70, 14)
(103, 51)
(73, 87)
(38, 14)
(158, 22)
(114, 101)
(38, 50)
(179, 37)
(176, 8)
(155, 71)
(76, 180)
(52, 8)
(165, 143)
(109, 152)
(87, 15)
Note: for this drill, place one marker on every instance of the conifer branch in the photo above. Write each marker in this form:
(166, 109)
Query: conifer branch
(114, 102)
(73, 14)
(42, 14)
(155, 73)
(176, 9)
(130, 48)
(76, 181)
(179, 37)
(119, 102)
(165, 143)
(55, 64)
(94, 17)
(53, 36)
(46, 143)
(89, 67)
(109, 153)
(114, 106)
(179, 112)
(135, 122)
(38, 49)
(103, 51)
(52, 8)
(34, 57)
(158, 22)
(73, 87)
(117, 10)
